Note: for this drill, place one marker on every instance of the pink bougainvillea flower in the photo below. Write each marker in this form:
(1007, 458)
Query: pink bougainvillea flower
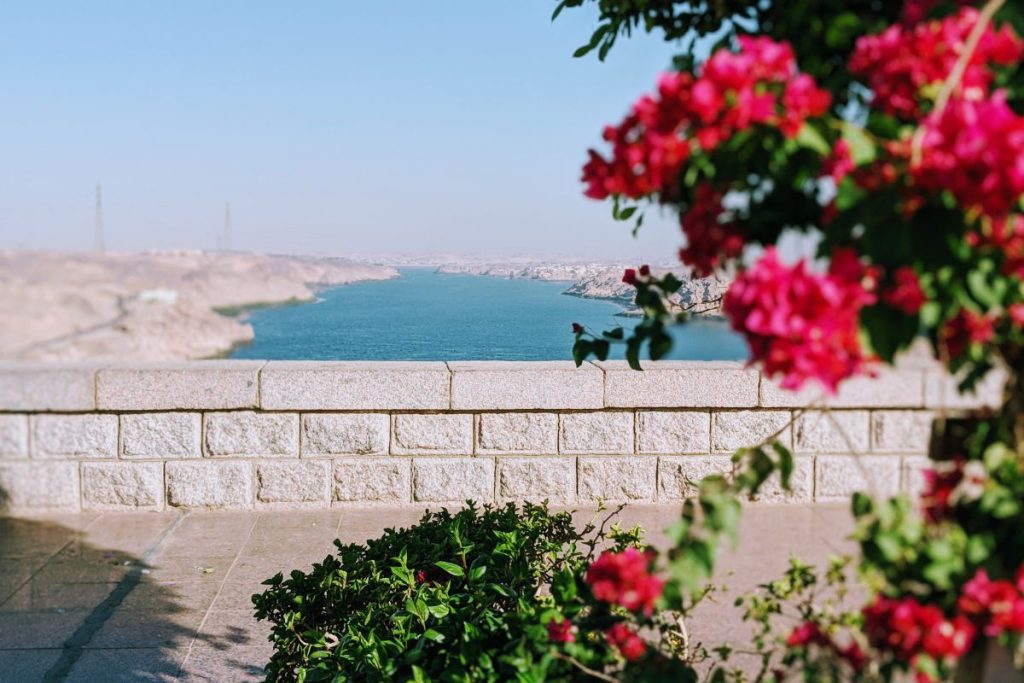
(907, 628)
(802, 325)
(625, 579)
(561, 631)
(966, 329)
(902, 63)
(905, 293)
(711, 240)
(626, 641)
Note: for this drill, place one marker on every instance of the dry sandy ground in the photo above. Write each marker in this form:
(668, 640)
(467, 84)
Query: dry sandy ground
(148, 306)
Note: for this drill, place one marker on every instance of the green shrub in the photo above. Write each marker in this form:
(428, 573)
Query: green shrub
(461, 596)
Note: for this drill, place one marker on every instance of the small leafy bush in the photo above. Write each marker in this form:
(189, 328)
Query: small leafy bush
(463, 596)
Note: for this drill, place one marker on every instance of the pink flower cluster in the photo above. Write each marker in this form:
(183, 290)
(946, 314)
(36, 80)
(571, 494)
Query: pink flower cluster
(710, 240)
(905, 293)
(625, 579)
(996, 607)
(966, 329)
(906, 628)
(802, 325)
(759, 84)
(975, 151)
(1005, 235)
(626, 641)
(810, 633)
(561, 631)
(900, 63)
(948, 483)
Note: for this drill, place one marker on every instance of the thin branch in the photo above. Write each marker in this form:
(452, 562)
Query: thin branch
(957, 74)
(586, 669)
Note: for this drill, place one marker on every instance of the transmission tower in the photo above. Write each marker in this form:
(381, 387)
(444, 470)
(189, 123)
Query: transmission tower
(100, 244)
(227, 226)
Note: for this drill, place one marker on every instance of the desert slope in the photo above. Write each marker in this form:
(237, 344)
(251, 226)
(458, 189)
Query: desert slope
(149, 306)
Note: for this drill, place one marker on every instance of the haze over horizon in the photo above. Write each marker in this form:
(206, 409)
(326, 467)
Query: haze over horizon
(460, 128)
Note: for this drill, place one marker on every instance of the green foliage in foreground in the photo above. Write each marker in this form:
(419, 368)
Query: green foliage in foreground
(458, 597)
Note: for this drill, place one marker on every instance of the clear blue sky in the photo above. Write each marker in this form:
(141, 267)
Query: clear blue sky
(330, 125)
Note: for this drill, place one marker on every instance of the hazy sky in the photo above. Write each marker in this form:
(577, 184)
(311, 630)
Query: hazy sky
(330, 125)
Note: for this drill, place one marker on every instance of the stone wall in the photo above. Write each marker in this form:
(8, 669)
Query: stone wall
(241, 434)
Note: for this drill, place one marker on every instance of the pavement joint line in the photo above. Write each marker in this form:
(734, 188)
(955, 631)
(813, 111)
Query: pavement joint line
(220, 589)
(75, 645)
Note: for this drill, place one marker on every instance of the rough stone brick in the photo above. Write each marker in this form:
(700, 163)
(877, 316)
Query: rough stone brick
(372, 480)
(345, 434)
(74, 436)
(122, 486)
(537, 479)
(839, 476)
(39, 486)
(200, 385)
(681, 384)
(518, 433)
(439, 434)
(454, 480)
(209, 484)
(901, 431)
(47, 386)
(731, 431)
(673, 432)
(596, 433)
(801, 484)
(518, 385)
(252, 434)
(941, 391)
(303, 385)
(617, 479)
(678, 475)
(13, 436)
(832, 432)
(891, 388)
(161, 435)
(913, 481)
(291, 482)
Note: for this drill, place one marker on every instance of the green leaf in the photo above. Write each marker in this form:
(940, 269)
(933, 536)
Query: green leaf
(812, 139)
(862, 149)
(450, 567)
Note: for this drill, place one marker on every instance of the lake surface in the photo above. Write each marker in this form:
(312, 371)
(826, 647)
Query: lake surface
(425, 315)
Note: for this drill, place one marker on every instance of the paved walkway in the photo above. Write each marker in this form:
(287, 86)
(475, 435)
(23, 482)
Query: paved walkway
(166, 596)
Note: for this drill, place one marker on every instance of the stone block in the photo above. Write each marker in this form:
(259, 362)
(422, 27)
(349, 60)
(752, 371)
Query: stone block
(13, 436)
(122, 486)
(901, 431)
(681, 384)
(673, 432)
(731, 431)
(537, 479)
(197, 385)
(596, 433)
(345, 433)
(453, 480)
(890, 388)
(941, 391)
(679, 475)
(438, 434)
(840, 476)
(161, 435)
(801, 484)
(617, 479)
(58, 387)
(526, 386)
(39, 486)
(285, 483)
(517, 433)
(209, 484)
(252, 434)
(837, 431)
(303, 385)
(74, 436)
(372, 480)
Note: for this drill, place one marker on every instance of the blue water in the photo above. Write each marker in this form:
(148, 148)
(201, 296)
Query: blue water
(425, 315)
